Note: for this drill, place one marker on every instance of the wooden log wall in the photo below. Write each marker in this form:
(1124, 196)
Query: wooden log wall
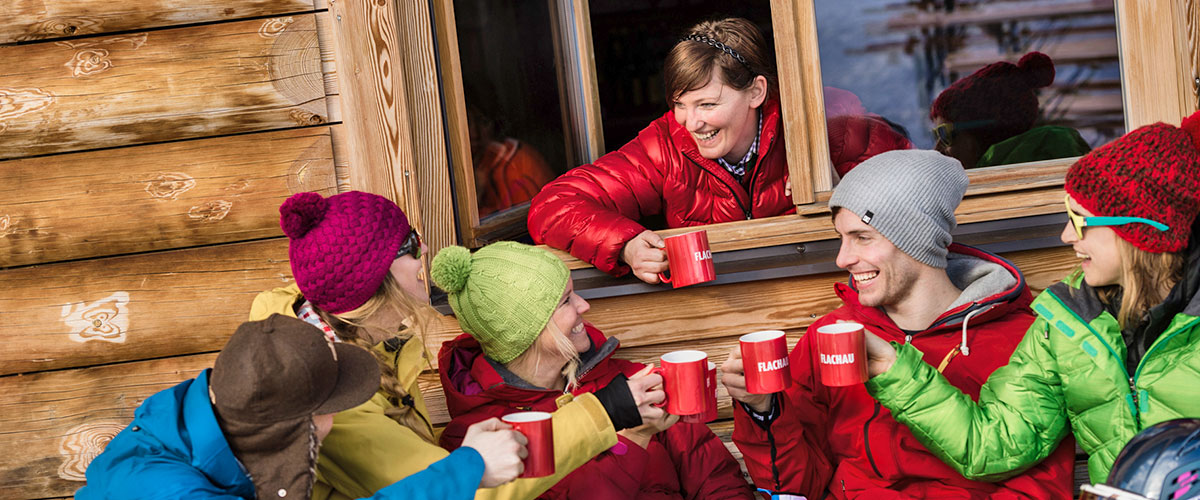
(145, 149)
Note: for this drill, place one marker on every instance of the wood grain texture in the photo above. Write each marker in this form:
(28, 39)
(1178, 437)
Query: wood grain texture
(1150, 68)
(55, 423)
(424, 98)
(1187, 16)
(28, 20)
(136, 307)
(163, 85)
(801, 99)
(457, 132)
(156, 197)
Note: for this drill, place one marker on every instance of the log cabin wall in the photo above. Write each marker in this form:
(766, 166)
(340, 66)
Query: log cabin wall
(143, 156)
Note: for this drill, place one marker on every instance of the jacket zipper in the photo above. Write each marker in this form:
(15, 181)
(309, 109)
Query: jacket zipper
(867, 440)
(1134, 401)
(745, 211)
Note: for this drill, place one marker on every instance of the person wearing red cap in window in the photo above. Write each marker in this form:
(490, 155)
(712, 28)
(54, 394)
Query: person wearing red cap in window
(987, 118)
(1116, 345)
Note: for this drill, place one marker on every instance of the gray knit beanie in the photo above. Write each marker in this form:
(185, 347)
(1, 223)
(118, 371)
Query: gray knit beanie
(909, 196)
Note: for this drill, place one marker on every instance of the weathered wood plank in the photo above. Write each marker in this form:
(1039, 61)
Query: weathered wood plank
(1154, 89)
(136, 307)
(55, 423)
(79, 205)
(42, 20)
(809, 166)
(162, 85)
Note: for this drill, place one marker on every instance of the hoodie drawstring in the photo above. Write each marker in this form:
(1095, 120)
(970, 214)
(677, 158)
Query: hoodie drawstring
(962, 347)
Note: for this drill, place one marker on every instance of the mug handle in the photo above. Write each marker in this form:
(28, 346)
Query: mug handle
(661, 373)
(664, 278)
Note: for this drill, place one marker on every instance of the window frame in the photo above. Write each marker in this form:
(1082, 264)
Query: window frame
(995, 193)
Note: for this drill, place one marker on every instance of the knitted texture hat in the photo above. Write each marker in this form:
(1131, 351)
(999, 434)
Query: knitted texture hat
(1153, 173)
(909, 196)
(342, 246)
(503, 294)
(1000, 97)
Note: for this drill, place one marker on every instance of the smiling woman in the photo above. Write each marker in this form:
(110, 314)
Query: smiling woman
(717, 156)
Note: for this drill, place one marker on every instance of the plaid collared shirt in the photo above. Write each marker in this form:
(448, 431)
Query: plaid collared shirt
(739, 170)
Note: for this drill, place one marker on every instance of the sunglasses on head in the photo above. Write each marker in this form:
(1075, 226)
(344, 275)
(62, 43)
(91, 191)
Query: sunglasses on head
(1079, 222)
(411, 245)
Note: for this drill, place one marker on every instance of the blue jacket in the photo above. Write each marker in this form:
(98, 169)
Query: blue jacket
(174, 448)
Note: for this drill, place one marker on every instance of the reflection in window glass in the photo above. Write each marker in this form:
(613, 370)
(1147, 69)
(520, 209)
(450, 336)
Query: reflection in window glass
(514, 116)
(887, 65)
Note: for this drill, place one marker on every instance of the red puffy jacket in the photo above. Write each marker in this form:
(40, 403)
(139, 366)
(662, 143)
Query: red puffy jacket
(839, 440)
(592, 211)
(685, 461)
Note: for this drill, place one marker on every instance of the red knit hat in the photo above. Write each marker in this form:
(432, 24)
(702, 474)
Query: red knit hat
(343, 246)
(1153, 173)
(1000, 94)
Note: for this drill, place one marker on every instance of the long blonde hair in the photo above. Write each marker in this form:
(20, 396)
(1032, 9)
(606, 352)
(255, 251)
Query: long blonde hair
(1147, 277)
(560, 343)
(351, 328)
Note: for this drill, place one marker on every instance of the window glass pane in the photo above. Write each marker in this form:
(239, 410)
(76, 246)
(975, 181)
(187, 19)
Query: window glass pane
(506, 51)
(884, 64)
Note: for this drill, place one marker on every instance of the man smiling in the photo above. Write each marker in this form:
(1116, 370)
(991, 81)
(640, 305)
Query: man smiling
(964, 308)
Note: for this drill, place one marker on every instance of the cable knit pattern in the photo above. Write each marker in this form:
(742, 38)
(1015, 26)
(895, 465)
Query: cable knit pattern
(343, 246)
(1153, 173)
(503, 295)
(1002, 92)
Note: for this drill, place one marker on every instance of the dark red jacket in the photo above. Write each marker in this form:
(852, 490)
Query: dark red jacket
(592, 211)
(839, 440)
(685, 461)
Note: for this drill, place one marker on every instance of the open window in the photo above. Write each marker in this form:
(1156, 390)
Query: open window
(578, 78)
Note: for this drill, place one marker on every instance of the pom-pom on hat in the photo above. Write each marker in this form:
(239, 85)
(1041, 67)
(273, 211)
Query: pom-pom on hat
(1000, 99)
(342, 246)
(503, 294)
(1152, 173)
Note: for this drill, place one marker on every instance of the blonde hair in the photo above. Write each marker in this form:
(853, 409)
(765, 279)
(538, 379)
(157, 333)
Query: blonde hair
(351, 328)
(690, 64)
(1147, 277)
(560, 343)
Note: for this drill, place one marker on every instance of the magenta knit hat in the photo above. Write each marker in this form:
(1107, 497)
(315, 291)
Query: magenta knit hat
(342, 246)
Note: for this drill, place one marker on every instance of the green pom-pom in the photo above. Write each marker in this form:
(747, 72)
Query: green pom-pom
(450, 269)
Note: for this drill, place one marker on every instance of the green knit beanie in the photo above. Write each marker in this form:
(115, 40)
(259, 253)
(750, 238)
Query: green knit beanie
(503, 295)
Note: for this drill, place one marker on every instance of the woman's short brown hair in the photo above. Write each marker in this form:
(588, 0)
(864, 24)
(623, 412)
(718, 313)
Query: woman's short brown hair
(690, 63)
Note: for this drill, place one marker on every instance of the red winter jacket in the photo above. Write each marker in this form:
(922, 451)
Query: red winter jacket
(685, 461)
(839, 440)
(592, 211)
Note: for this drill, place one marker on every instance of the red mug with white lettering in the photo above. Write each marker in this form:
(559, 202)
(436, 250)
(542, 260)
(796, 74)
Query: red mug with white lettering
(843, 354)
(685, 379)
(539, 430)
(710, 396)
(689, 259)
(765, 359)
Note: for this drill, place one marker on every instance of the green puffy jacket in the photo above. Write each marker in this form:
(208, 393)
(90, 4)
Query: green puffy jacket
(1069, 369)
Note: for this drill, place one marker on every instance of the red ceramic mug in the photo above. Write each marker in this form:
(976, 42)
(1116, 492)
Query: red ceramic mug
(685, 375)
(765, 358)
(710, 396)
(539, 430)
(689, 258)
(842, 354)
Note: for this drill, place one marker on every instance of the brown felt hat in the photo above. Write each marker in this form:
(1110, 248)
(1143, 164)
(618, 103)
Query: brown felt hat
(269, 380)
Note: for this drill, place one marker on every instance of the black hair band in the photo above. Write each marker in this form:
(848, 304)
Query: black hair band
(724, 48)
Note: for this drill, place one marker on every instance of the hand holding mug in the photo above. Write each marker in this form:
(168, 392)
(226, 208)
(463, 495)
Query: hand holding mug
(880, 354)
(648, 393)
(734, 378)
(502, 450)
(645, 256)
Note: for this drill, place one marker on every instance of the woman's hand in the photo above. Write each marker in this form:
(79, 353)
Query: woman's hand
(645, 256)
(734, 377)
(647, 391)
(502, 449)
(880, 354)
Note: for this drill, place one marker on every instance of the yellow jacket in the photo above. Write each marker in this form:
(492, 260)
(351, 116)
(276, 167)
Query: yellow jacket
(367, 450)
